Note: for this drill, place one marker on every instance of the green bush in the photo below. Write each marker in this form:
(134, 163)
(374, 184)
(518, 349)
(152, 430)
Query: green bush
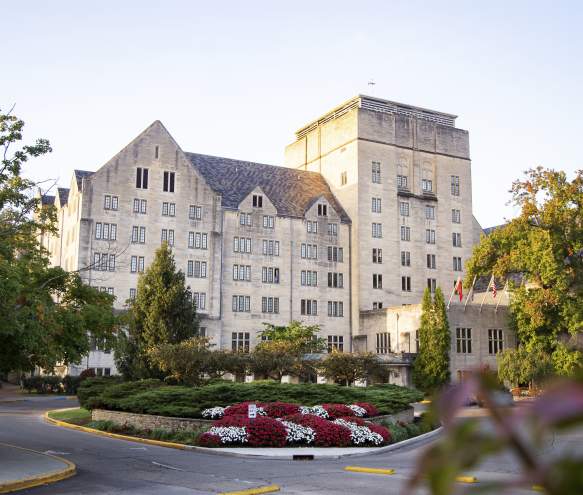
(91, 388)
(153, 397)
(398, 432)
(42, 384)
(413, 429)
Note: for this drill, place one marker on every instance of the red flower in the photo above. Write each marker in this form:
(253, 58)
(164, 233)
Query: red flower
(209, 440)
(358, 421)
(337, 410)
(266, 432)
(381, 430)
(240, 409)
(328, 434)
(280, 409)
(370, 409)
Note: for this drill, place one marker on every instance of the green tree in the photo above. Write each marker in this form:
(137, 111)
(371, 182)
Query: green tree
(521, 366)
(162, 313)
(45, 312)
(544, 244)
(431, 366)
(345, 368)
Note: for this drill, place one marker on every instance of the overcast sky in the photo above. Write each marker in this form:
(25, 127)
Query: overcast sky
(236, 79)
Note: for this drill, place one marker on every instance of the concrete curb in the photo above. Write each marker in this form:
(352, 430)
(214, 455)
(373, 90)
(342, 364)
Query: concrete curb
(40, 479)
(217, 451)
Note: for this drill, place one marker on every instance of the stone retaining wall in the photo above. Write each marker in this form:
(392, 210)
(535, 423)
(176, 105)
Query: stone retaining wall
(150, 422)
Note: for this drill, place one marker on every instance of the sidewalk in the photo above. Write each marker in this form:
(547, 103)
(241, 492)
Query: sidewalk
(22, 468)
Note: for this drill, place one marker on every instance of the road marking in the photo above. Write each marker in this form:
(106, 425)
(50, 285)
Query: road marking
(138, 448)
(358, 469)
(254, 491)
(56, 452)
(466, 479)
(166, 466)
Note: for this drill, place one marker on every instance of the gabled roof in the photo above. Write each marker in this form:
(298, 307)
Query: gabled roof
(47, 199)
(489, 230)
(291, 191)
(63, 195)
(80, 174)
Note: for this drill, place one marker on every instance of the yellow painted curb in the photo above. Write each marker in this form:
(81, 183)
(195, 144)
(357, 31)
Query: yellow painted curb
(466, 479)
(41, 479)
(71, 397)
(158, 443)
(254, 491)
(538, 488)
(357, 469)
(425, 402)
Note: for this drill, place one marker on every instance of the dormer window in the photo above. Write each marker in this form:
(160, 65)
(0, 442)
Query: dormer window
(257, 201)
(322, 210)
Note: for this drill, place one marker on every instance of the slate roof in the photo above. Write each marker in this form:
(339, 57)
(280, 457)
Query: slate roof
(47, 199)
(80, 174)
(291, 191)
(489, 230)
(63, 195)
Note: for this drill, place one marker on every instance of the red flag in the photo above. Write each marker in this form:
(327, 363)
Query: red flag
(459, 288)
(493, 287)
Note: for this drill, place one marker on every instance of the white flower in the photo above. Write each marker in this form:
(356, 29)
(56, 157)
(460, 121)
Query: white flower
(261, 411)
(213, 413)
(298, 433)
(357, 410)
(230, 434)
(360, 434)
(316, 410)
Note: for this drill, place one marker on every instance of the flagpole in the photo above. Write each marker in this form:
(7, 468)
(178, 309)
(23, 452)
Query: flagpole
(486, 293)
(452, 293)
(471, 292)
(505, 292)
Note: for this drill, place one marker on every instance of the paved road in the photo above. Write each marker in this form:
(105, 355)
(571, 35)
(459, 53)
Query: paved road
(110, 466)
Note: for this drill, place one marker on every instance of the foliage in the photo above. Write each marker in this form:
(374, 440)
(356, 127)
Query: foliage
(520, 366)
(153, 397)
(189, 437)
(544, 244)
(44, 311)
(162, 313)
(42, 384)
(75, 416)
(431, 366)
(345, 368)
(518, 432)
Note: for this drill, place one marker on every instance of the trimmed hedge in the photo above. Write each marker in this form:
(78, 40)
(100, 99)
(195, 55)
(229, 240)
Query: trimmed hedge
(154, 397)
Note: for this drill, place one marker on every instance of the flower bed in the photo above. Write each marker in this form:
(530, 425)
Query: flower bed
(281, 424)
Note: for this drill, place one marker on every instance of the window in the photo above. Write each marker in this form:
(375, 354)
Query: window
(245, 219)
(376, 172)
(156, 152)
(463, 338)
(110, 202)
(195, 212)
(377, 255)
(140, 206)
(268, 221)
(270, 304)
(376, 205)
(495, 341)
(455, 185)
(168, 209)
(309, 251)
(406, 284)
(456, 239)
(404, 208)
(405, 258)
(142, 238)
(132, 294)
(168, 184)
(432, 285)
(257, 201)
(270, 275)
(377, 305)
(241, 304)
(405, 233)
(377, 230)
(336, 309)
(198, 240)
(311, 227)
(309, 307)
(335, 343)
(199, 299)
(335, 254)
(430, 212)
(242, 244)
(457, 264)
(333, 229)
(377, 281)
(98, 230)
(168, 236)
(383, 343)
(112, 262)
(402, 182)
(196, 269)
(136, 205)
(270, 248)
(242, 272)
(343, 178)
(430, 236)
(137, 264)
(141, 178)
(140, 264)
(335, 280)
(426, 185)
(322, 210)
(431, 262)
(240, 341)
(309, 278)
(456, 216)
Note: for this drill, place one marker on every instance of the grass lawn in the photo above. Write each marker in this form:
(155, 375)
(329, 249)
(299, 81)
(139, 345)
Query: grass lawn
(78, 416)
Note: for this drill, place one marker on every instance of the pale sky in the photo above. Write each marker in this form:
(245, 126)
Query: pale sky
(236, 79)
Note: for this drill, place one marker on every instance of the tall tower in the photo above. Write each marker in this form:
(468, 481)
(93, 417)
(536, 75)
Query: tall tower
(403, 175)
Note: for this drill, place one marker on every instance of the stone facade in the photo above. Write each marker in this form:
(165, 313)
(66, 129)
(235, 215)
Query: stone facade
(374, 205)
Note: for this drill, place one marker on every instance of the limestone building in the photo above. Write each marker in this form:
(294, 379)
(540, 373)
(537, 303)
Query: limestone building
(373, 205)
